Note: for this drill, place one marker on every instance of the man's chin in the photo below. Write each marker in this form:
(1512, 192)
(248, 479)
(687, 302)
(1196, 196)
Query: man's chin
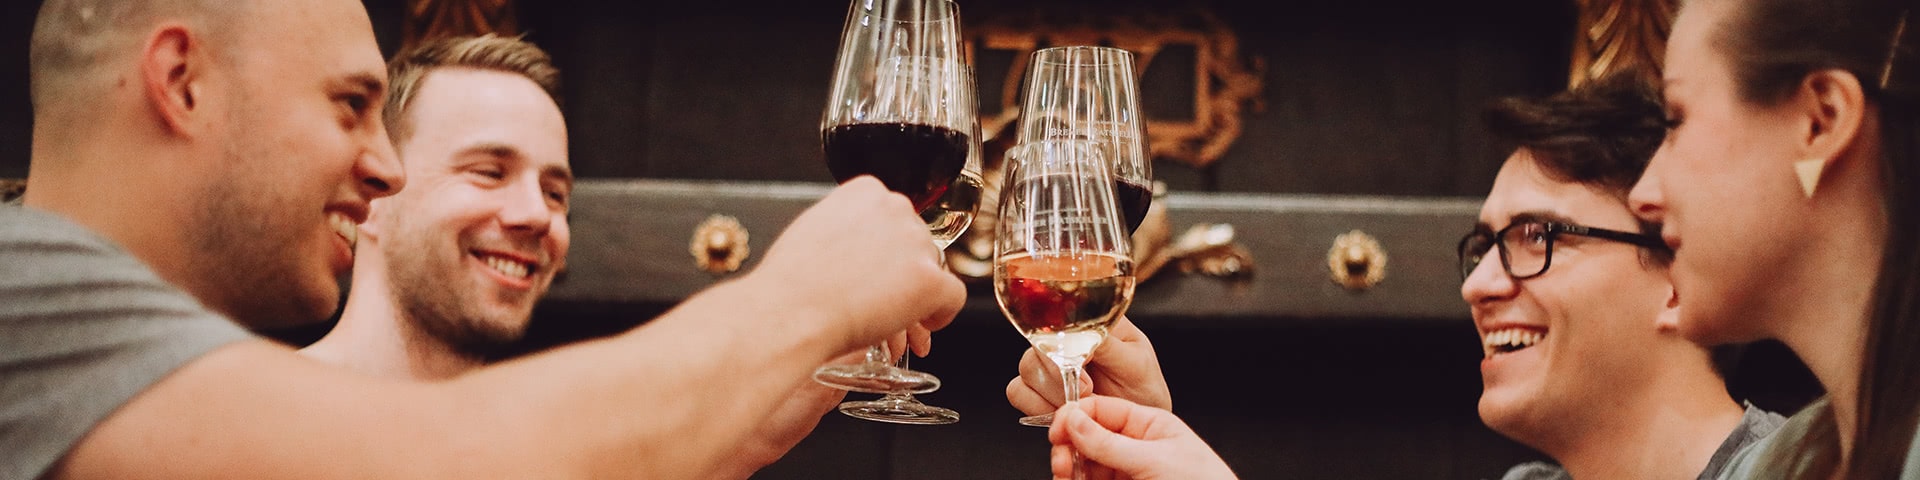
(1500, 413)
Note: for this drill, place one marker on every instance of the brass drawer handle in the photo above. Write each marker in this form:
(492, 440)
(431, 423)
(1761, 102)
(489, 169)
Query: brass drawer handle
(719, 245)
(1356, 261)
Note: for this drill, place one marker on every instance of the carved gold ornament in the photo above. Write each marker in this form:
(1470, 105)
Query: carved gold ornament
(719, 245)
(1618, 34)
(1356, 261)
(429, 19)
(1207, 249)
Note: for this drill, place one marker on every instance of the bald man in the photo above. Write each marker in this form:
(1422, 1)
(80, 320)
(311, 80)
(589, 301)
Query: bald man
(200, 167)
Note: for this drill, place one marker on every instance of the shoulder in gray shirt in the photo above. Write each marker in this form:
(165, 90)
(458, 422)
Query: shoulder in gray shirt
(1756, 424)
(84, 326)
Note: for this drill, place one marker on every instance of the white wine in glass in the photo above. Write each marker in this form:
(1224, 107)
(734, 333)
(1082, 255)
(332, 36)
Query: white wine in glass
(1063, 265)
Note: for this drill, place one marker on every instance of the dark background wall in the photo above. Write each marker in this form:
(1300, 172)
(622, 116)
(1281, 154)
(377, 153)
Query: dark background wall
(1370, 97)
(1374, 97)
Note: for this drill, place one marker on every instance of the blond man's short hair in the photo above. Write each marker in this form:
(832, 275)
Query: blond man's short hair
(408, 70)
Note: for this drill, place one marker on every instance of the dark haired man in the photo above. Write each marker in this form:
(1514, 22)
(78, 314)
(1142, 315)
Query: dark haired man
(1574, 308)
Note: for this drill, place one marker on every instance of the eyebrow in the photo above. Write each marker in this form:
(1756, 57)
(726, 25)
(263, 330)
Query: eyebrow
(369, 82)
(558, 172)
(492, 149)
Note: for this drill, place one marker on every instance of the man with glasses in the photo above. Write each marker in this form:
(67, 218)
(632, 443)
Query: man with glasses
(1576, 313)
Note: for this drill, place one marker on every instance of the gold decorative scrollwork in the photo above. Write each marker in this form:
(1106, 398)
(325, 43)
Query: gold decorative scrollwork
(1614, 35)
(428, 19)
(1225, 85)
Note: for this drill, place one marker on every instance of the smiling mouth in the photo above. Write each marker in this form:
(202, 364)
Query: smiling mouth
(345, 227)
(506, 266)
(1510, 340)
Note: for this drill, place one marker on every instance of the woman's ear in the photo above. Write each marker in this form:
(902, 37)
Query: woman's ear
(1834, 106)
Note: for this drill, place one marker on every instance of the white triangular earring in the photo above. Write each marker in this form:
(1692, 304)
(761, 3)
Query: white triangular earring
(1809, 172)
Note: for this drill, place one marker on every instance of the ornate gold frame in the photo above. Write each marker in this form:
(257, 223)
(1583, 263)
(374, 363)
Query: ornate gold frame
(1225, 83)
(428, 19)
(1612, 35)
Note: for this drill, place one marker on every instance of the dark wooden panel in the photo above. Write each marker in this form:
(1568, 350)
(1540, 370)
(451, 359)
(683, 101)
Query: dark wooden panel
(1377, 98)
(630, 244)
(16, 107)
(1372, 98)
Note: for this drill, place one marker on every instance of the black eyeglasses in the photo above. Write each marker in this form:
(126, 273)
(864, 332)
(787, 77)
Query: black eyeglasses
(1526, 247)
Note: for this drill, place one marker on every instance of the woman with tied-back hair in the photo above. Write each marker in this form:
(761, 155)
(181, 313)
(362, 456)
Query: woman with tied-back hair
(1787, 186)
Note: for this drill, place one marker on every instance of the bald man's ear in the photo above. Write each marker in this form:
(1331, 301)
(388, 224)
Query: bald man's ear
(171, 66)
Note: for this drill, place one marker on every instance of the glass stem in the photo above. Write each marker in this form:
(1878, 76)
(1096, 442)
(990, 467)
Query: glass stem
(901, 395)
(1070, 379)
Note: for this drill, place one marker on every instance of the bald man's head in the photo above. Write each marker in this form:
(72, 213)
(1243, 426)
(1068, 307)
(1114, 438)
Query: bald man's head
(76, 42)
(248, 139)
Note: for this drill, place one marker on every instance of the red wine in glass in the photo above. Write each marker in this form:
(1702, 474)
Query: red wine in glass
(919, 161)
(1134, 201)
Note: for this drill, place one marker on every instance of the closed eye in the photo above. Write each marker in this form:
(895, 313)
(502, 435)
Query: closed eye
(490, 171)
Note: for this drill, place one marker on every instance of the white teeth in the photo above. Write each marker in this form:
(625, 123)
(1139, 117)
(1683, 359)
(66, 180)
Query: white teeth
(506, 267)
(1510, 339)
(345, 227)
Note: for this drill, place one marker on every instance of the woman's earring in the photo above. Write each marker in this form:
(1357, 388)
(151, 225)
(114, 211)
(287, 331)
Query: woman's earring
(1809, 172)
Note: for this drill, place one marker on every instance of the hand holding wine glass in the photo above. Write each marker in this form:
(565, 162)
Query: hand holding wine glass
(1063, 270)
(1125, 366)
(900, 109)
(1121, 439)
(946, 219)
(857, 252)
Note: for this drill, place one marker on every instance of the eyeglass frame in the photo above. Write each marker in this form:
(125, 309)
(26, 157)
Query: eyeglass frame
(1553, 232)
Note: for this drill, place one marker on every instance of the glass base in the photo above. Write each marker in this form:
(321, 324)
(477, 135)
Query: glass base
(876, 378)
(1042, 420)
(899, 409)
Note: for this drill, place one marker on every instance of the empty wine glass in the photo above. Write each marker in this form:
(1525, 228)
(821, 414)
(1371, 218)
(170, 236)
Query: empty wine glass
(1092, 93)
(900, 111)
(1063, 265)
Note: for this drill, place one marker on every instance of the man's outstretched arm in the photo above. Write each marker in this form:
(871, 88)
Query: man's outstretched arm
(668, 400)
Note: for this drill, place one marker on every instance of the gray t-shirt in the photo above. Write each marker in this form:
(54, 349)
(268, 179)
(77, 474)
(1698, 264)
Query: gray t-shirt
(1755, 424)
(1752, 462)
(84, 326)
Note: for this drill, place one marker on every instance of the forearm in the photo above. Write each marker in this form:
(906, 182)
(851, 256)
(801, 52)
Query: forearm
(668, 400)
(672, 399)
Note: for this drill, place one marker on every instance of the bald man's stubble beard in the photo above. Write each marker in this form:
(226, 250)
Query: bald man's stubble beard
(247, 261)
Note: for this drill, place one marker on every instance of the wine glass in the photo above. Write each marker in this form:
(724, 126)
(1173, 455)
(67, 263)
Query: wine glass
(1063, 265)
(1091, 93)
(946, 220)
(898, 110)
